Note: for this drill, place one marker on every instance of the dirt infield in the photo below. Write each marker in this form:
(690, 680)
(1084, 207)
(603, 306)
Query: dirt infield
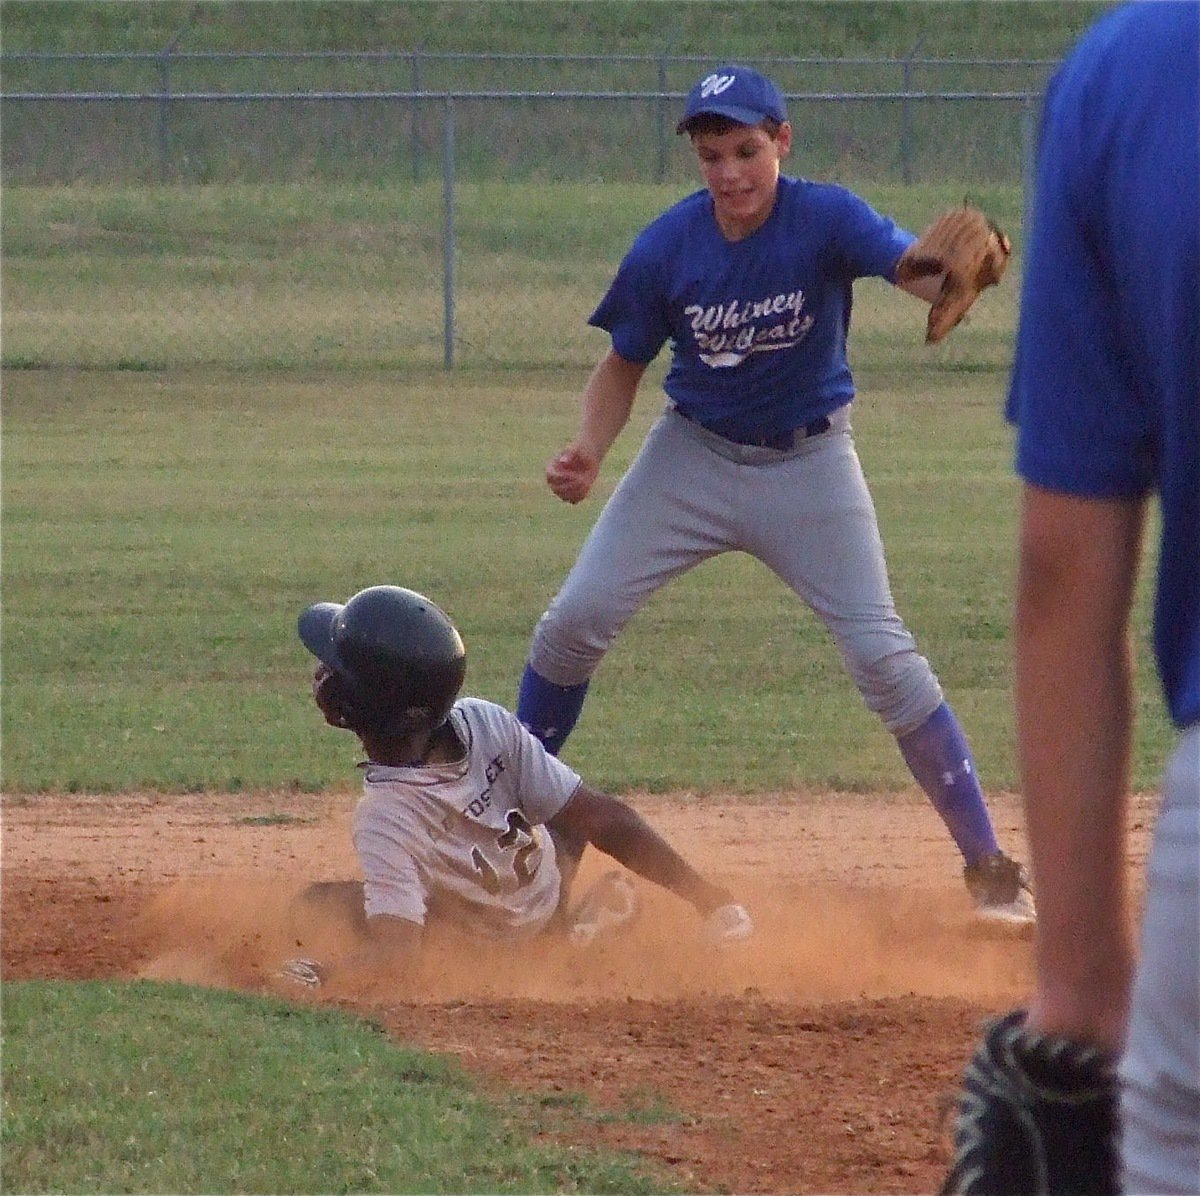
(811, 1059)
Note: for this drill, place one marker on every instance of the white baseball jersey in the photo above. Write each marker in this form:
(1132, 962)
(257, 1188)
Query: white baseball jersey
(465, 840)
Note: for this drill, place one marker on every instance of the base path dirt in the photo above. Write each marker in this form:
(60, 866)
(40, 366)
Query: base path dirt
(814, 1058)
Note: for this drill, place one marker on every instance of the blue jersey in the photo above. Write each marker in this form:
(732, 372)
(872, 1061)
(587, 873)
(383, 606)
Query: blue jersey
(1106, 382)
(757, 326)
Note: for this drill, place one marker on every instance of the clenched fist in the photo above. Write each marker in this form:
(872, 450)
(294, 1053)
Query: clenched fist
(572, 474)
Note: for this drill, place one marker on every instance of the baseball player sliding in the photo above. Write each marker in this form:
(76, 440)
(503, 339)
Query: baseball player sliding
(464, 816)
(750, 281)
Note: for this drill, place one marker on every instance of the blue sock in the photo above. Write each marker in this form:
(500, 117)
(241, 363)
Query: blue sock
(549, 711)
(939, 758)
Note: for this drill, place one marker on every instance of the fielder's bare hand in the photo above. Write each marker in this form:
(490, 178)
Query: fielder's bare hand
(572, 474)
(607, 401)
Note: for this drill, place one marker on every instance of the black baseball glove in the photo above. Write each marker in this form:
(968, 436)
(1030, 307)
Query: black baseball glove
(1036, 1116)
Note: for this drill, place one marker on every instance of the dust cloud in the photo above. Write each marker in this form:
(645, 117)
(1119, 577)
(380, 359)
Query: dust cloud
(813, 944)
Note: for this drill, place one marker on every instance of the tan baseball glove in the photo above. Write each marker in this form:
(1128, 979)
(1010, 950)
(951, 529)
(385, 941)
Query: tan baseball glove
(968, 248)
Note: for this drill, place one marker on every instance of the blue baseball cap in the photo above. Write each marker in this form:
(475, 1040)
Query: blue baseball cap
(737, 92)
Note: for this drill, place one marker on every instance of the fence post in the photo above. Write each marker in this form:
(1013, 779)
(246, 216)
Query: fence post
(448, 246)
(164, 105)
(164, 114)
(660, 116)
(415, 127)
(1029, 136)
(906, 120)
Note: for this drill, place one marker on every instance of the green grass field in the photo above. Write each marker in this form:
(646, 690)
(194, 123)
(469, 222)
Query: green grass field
(166, 1088)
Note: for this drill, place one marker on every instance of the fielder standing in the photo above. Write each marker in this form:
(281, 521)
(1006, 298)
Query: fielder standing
(1106, 399)
(750, 281)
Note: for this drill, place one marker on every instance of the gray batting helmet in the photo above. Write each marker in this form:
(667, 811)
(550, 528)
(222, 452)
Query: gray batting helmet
(398, 655)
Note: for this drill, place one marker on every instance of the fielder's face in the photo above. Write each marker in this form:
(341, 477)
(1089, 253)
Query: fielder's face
(741, 171)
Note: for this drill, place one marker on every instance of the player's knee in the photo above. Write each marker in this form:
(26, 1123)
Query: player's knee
(900, 688)
(571, 639)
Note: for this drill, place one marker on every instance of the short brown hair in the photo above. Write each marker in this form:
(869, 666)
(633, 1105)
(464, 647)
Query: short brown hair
(712, 122)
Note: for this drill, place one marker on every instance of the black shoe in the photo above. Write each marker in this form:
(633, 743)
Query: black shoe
(1001, 890)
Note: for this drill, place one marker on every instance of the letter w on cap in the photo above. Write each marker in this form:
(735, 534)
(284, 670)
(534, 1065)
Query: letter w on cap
(713, 85)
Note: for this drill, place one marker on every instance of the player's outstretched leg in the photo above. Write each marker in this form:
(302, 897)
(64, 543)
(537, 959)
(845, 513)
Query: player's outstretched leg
(549, 711)
(939, 757)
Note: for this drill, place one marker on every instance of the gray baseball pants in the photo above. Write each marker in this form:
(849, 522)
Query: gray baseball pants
(806, 513)
(1160, 1070)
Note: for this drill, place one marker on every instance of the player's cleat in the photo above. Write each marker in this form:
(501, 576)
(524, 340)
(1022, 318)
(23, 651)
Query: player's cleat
(307, 972)
(1001, 891)
(610, 903)
(728, 924)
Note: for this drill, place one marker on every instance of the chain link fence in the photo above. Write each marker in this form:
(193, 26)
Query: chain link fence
(196, 116)
(431, 126)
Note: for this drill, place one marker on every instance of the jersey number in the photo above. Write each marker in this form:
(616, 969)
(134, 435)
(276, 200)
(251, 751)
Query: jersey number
(520, 856)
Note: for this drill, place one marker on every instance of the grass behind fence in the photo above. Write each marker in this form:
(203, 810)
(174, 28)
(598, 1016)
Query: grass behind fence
(774, 28)
(987, 50)
(547, 137)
